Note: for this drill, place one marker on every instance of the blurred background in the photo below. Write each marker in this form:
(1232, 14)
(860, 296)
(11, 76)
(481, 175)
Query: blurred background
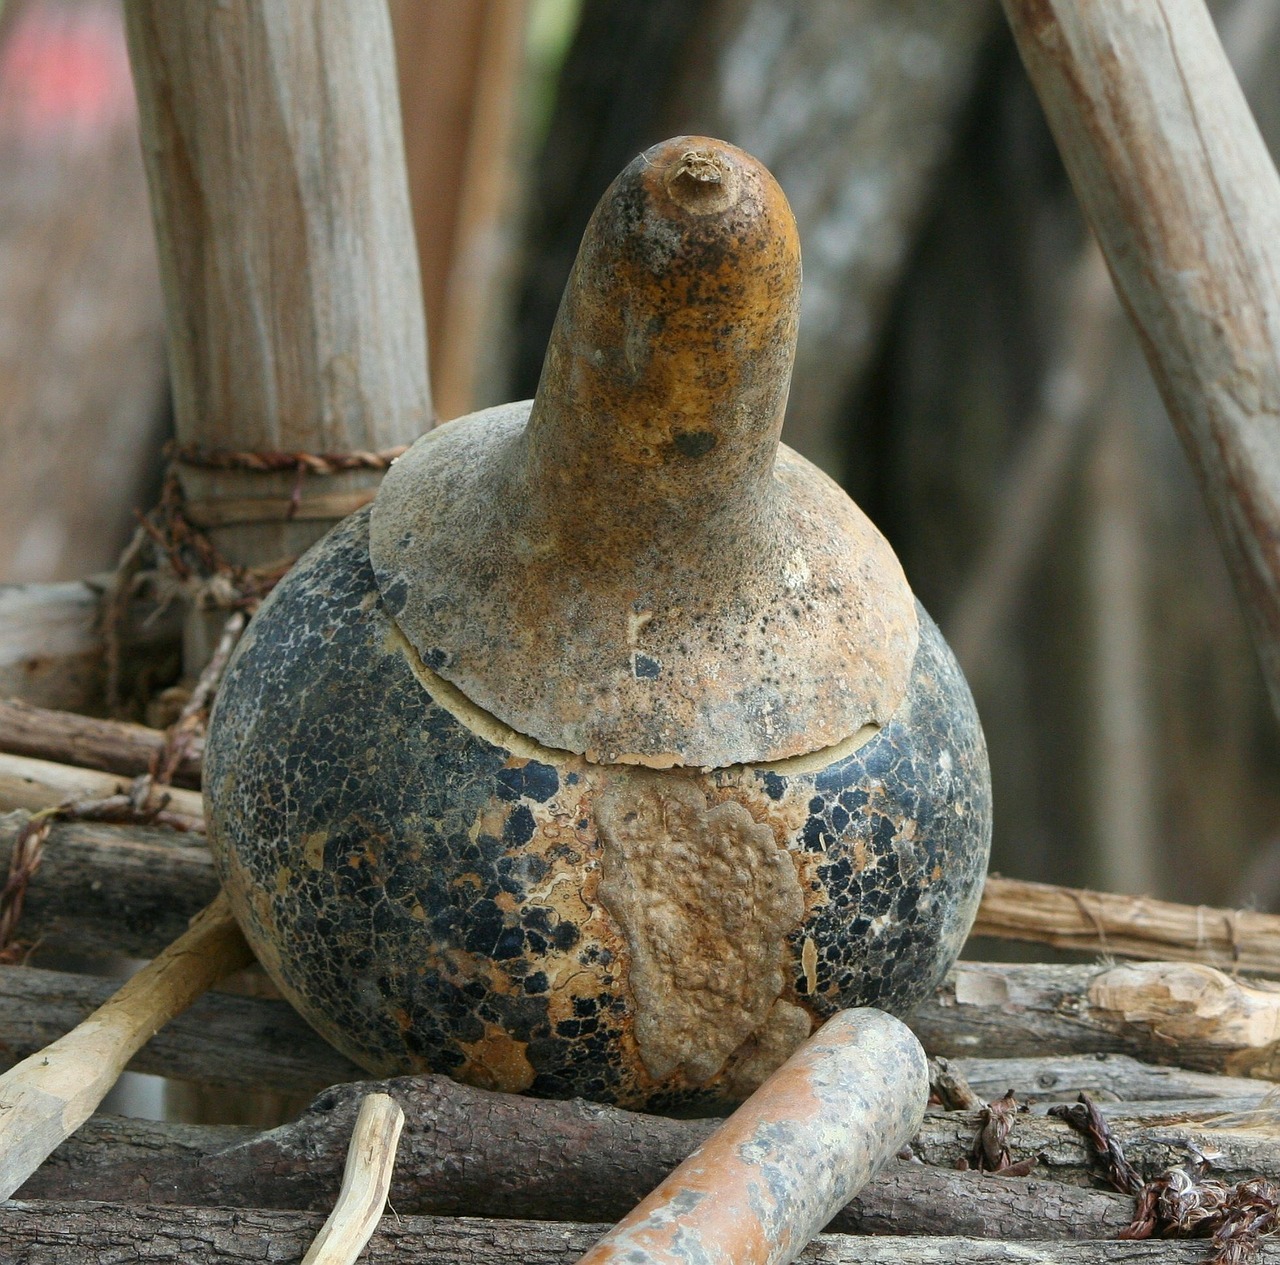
(964, 368)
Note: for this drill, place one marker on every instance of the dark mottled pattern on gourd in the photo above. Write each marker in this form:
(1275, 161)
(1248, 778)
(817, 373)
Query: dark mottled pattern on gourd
(429, 900)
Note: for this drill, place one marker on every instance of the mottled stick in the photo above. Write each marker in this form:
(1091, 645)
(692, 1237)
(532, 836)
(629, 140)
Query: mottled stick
(53, 1092)
(790, 1157)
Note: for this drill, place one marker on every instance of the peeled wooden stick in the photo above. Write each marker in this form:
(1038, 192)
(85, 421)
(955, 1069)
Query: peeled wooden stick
(52, 1093)
(1184, 198)
(34, 785)
(365, 1183)
(790, 1157)
(1129, 926)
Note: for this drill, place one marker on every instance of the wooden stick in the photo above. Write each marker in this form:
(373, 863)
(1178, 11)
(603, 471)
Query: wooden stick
(111, 746)
(1182, 194)
(228, 1041)
(38, 784)
(790, 1157)
(52, 1093)
(1129, 926)
(366, 1179)
(70, 1231)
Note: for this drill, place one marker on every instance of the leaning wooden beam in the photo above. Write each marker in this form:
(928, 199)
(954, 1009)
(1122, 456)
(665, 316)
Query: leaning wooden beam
(466, 1152)
(54, 1091)
(1129, 926)
(1181, 1013)
(1184, 198)
(111, 746)
(239, 1042)
(84, 1231)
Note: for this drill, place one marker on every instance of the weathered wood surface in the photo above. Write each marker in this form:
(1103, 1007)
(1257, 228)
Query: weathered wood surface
(68, 737)
(103, 890)
(222, 1040)
(38, 1232)
(465, 1152)
(1162, 1012)
(1130, 926)
(276, 164)
(51, 648)
(1105, 1077)
(1184, 198)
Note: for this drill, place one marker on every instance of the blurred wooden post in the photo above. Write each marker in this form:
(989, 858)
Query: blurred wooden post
(1182, 194)
(276, 163)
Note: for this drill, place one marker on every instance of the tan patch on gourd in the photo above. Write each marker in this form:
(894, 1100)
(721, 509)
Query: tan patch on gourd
(762, 1053)
(497, 1061)
(705, 899)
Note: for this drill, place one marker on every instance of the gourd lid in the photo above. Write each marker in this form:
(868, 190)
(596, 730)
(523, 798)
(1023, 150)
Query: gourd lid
(631, 566)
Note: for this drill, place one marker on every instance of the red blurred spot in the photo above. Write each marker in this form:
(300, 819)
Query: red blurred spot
(65, 69)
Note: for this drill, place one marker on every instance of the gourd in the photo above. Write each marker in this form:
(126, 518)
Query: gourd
(609, 751)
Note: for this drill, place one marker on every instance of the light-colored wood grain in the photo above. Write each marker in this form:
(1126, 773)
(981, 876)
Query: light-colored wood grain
(276, 163)
(53, 1092)
(32, 785)
(1129, 926)
(366, 1179)
(1184, 198)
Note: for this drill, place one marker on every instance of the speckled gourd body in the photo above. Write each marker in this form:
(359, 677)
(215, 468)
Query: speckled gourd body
(438, 774)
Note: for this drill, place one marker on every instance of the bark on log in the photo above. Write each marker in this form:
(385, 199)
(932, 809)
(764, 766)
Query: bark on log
(1105, 1077)
(111, 746)
(1161, 1012)
(276, 165)
(1178, 185)
(39, 1232)
(465, 1152)
(222, 1040)
(103, 890)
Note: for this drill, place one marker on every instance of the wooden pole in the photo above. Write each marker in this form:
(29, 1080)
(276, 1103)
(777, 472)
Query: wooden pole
(276, 164)
(50, 1094)
(1182, 194)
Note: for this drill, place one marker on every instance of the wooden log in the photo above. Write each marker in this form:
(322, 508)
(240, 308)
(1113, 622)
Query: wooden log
(33, 785)
(52, 1092)
(234, 1042)
(108, 890)
(111, 746)
(1130, 926)
(1180, 1013)
(1184, 198)
(38, 1231)
(466, 1152)
(1105, 1078)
